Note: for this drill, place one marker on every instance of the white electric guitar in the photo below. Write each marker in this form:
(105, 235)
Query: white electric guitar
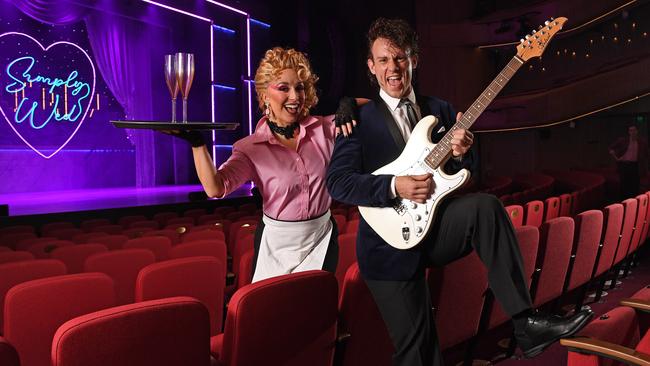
(406, 224)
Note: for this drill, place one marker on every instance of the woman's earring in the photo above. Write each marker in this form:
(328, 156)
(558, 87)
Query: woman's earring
(267, 110)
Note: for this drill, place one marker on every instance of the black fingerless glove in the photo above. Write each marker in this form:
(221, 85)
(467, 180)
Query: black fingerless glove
(346, 112)
(194, 138)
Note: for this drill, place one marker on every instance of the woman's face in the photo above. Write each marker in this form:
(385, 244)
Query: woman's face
(286, 97)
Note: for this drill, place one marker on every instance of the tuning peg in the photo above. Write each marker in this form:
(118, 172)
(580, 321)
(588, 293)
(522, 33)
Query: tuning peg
(552, 18)
(521, 40)
(540, 27)
(534, 31)
(527, 36)
(546, 22)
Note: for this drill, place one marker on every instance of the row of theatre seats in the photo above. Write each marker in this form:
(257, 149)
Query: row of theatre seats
(556, 262)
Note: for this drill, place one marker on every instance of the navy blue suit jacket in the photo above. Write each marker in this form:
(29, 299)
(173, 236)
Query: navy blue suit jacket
(375, 142)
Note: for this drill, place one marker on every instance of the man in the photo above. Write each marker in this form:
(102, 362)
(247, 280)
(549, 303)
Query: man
(477, 221)
(631, 154)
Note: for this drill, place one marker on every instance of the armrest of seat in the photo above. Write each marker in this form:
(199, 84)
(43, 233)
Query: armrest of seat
(636, 304)
(600, 348)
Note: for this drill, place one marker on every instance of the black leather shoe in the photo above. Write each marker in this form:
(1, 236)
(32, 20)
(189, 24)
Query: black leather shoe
(543, 330)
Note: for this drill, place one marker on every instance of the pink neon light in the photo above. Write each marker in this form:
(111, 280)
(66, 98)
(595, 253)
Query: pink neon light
(90, 101)
(227, 7)
(177, 10)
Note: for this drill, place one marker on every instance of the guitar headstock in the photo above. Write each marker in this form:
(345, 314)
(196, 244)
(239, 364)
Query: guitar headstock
(534, 44)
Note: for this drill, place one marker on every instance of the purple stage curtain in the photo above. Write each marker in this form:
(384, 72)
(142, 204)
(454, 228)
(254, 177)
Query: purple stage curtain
(55, 12)
(122, 55)
(119, 45)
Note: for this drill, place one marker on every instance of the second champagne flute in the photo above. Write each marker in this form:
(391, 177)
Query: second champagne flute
(171, 81)
(184, 77)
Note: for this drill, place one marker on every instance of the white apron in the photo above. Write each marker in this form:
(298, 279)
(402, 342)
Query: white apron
(292, 246)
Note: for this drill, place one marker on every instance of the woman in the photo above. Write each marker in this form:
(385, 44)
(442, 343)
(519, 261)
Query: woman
(287, 158)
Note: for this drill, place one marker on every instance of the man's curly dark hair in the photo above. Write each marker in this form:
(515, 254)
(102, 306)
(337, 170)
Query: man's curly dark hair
(398, 32)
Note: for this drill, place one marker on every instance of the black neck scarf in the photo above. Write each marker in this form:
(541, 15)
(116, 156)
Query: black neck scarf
(286, 131)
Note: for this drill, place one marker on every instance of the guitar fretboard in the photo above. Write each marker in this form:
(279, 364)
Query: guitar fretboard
(443, 148)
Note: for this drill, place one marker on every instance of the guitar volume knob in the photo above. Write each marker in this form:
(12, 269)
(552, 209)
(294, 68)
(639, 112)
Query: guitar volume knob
(414, 205)
(418, 230)
(418, 217)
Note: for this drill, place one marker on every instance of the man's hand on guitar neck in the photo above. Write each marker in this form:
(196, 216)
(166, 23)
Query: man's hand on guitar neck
(461, 140)
(416, 188)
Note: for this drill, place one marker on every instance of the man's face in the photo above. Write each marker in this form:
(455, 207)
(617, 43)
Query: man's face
(632, 131)
(393, 67)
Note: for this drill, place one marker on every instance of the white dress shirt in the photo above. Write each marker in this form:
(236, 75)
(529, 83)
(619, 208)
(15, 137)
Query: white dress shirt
(399, 112)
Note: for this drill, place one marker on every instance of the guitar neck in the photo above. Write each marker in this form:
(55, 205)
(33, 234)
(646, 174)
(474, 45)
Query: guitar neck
(443, 148)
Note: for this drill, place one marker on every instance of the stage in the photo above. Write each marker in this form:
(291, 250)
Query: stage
(22, 204)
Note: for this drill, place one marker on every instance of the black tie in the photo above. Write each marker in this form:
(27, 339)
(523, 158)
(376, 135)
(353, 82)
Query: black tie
(410, 112)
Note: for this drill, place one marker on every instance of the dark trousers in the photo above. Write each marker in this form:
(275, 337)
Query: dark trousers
(628, 172)
(472, 222)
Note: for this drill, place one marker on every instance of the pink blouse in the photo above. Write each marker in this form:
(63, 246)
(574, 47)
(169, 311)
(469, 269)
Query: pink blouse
(292, 183)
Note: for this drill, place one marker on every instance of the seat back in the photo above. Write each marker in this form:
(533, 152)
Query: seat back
(34, 310)
(210, 248)
(460, 284)
(629, 219)
(347, 256)
(164, 332)
(555, 245)
(618, 326)
(14, 273)
(369, 342)
(87, 237)
(639, 224)
(207, 234)
(203, 278)
(112, 242)
(126, 221)
(303, 317)
(172, 235)
(612, 224)
(566, 204)
(8, 354)
(123, 267)
(75, 256)
(243, 245)
(516, 215)
(551, 208)
(46, 229)
(163, 217)
(88, 225)
(245, 275)
(528, 239)
(43, 249)
(158, 245)
(15, 256)
(589, 228)
(534, 213)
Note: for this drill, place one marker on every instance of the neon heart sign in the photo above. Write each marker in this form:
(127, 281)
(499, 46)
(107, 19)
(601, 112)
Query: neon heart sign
(45, 92)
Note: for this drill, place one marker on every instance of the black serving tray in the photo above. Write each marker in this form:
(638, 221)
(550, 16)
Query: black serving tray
(158, 125)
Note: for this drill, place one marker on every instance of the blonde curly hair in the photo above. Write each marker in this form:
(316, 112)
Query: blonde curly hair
(274, 62)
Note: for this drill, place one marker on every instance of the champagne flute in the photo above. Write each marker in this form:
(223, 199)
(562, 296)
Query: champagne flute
(184, 77)
(172, 83)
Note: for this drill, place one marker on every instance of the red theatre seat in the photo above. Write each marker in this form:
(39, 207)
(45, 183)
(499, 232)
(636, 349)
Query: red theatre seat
(123, 267)
(368, 342)
(14, 273)
(516, 215)
(555, 245)
(166, 332)
(612, 223)
(589, 228)
(458, 285)
(75, 256)
(566, 204)
(629, 219)
(34, 310)
(245, 275)
(277, 317)
(534, 213)
(8, 354)
(203, 278)
(347, 255)
(158, 245)
(551, 208)
(17, 256)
